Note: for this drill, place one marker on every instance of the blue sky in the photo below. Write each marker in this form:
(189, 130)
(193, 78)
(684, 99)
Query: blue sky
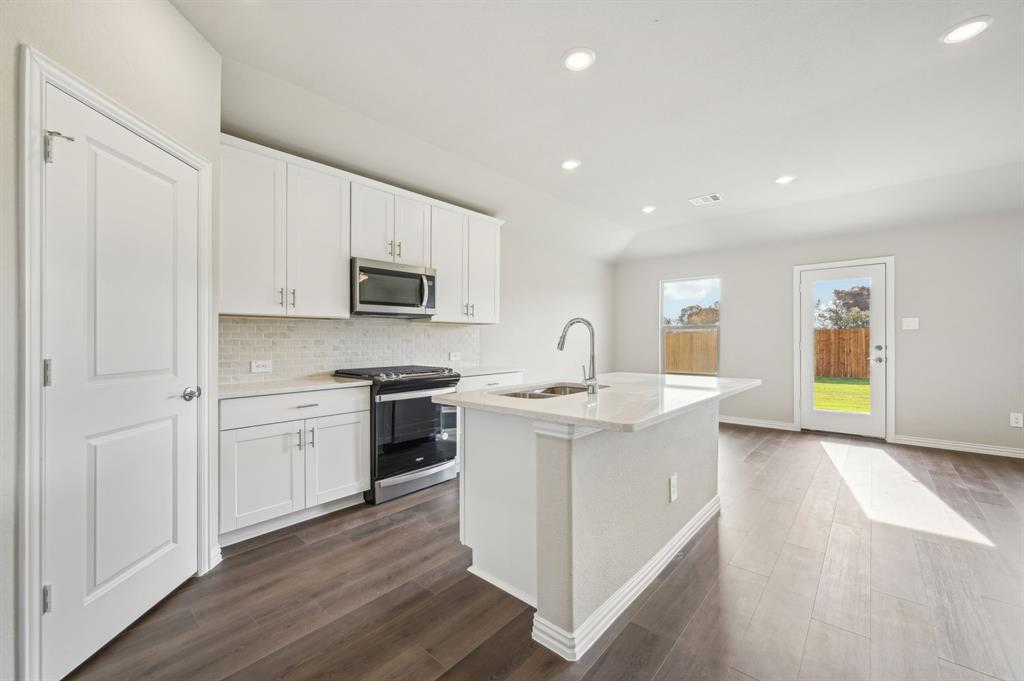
(678, 294)
(823, 289)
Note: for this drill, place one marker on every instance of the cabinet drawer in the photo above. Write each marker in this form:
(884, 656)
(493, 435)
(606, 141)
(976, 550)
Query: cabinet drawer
(240, 412)
(489, 381)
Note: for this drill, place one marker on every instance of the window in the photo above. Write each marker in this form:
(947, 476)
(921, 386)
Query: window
(689, 326)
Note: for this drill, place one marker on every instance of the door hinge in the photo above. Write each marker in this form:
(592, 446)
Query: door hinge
(48, 144)
(47, 598)
(47, 373)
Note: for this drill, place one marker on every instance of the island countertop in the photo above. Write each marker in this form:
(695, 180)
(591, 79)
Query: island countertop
(627, 402)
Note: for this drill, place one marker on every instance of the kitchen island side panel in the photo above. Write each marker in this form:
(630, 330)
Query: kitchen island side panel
(621, 512)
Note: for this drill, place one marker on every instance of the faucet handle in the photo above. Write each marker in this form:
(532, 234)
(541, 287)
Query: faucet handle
(584, 368)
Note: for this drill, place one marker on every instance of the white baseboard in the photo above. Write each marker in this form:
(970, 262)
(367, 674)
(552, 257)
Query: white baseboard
(757, 423)
(215, 558)
(241, 534)
(530, 600)
(995, 450)
(571, 645)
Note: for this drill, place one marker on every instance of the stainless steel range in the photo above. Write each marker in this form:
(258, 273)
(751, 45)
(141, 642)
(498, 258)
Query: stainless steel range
(413, 441)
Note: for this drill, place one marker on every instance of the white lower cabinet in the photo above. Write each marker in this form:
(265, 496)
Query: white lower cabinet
(269, 471)
(262, 473)
(337, 457)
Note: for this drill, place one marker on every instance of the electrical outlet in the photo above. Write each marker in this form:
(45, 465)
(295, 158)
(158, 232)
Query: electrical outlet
(1016, 419)
(454, 356)
(673, 488)
(261, 366)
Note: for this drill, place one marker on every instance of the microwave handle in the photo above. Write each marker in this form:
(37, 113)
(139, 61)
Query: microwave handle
(426, 290)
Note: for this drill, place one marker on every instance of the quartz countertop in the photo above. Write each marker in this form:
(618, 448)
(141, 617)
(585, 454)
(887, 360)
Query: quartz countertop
(291, 385)
(486, 371)
(629, 402)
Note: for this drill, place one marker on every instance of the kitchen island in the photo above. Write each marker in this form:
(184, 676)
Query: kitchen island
(574, 502)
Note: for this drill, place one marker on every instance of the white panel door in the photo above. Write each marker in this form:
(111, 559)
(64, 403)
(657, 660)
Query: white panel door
(338, 457)
(252, 233)
(448, 257)
(843, 350)
(318, 244)
(120, 325)
(483, 263)
(412, 232)
(262, 473)
(373, 223)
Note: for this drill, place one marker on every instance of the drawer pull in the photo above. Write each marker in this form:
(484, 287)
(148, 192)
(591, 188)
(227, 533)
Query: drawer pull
(493, 383)
(307, 406)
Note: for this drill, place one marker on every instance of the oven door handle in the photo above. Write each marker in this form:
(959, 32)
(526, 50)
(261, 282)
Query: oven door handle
(415, 475)
(415, 394)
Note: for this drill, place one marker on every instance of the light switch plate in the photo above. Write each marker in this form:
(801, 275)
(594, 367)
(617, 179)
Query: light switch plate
(261, 366)
(911, 323)
(454, 356)
(673, 488)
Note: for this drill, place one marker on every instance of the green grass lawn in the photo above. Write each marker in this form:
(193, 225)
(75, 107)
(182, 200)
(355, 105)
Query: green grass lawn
(842, 394)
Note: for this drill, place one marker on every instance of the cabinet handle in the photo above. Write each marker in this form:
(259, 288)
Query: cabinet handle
(312, 438)
(465, 309)
(391, 248)
(307, 406)
(280, 297)
(399, 252)
(472, 309)
(293, 297)
(301, 443)
(492, 383)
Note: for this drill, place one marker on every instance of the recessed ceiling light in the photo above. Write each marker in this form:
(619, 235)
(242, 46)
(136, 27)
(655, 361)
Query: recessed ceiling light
(648, 209)
(966, 30)
(785, 179)
(579, 59)
(570, 164)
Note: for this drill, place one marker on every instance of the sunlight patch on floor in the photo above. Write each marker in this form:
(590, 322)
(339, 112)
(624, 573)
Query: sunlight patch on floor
(898, 498)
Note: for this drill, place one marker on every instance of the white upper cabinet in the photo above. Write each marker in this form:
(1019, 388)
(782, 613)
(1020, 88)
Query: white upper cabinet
(373, 223)
(448, 257)
(252, 237)
(318, 243)
(465, 251)
(484, 265)
(412, 232)
(290, 227)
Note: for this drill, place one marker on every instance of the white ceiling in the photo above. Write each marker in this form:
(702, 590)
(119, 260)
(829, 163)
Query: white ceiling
(685, 98)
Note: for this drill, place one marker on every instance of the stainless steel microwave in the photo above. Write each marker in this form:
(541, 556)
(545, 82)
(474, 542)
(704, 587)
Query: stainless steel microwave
(382, 288)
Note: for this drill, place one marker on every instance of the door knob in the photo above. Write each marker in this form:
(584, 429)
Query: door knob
(191, 393)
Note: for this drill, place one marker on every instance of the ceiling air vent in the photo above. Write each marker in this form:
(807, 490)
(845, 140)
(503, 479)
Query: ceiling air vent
(706, 199)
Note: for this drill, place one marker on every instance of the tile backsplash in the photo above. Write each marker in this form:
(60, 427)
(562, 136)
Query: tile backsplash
(301, 347)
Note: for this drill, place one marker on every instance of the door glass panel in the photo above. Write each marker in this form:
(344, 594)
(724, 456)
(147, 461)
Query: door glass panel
(842, 345)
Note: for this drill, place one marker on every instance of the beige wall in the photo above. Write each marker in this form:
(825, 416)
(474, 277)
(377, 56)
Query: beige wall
(552, 254)
(957, 378)
(144, 55)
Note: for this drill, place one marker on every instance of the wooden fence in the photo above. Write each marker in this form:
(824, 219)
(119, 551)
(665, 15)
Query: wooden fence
(690, 351)
(842, 352)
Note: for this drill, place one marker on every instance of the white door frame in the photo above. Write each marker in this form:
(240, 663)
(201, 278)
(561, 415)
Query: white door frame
(890, 334)
(38, 71)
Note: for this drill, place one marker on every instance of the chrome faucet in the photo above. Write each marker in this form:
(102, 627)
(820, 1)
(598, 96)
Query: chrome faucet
(589, 378)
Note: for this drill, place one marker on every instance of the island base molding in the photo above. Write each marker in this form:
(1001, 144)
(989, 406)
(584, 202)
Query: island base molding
(572, 645)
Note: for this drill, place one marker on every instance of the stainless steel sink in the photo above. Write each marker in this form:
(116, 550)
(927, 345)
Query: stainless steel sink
(554, 390)
(527, 395)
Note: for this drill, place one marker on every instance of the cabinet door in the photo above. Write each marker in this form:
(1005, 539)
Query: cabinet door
(448, 257)
(484, 265)
(318, 244)
(412, 232)
(373, 223)
(252, 233)
(338, 457)
(261, 473)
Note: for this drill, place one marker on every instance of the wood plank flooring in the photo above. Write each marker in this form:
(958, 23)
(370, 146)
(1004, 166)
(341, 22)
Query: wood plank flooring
(833, 558)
